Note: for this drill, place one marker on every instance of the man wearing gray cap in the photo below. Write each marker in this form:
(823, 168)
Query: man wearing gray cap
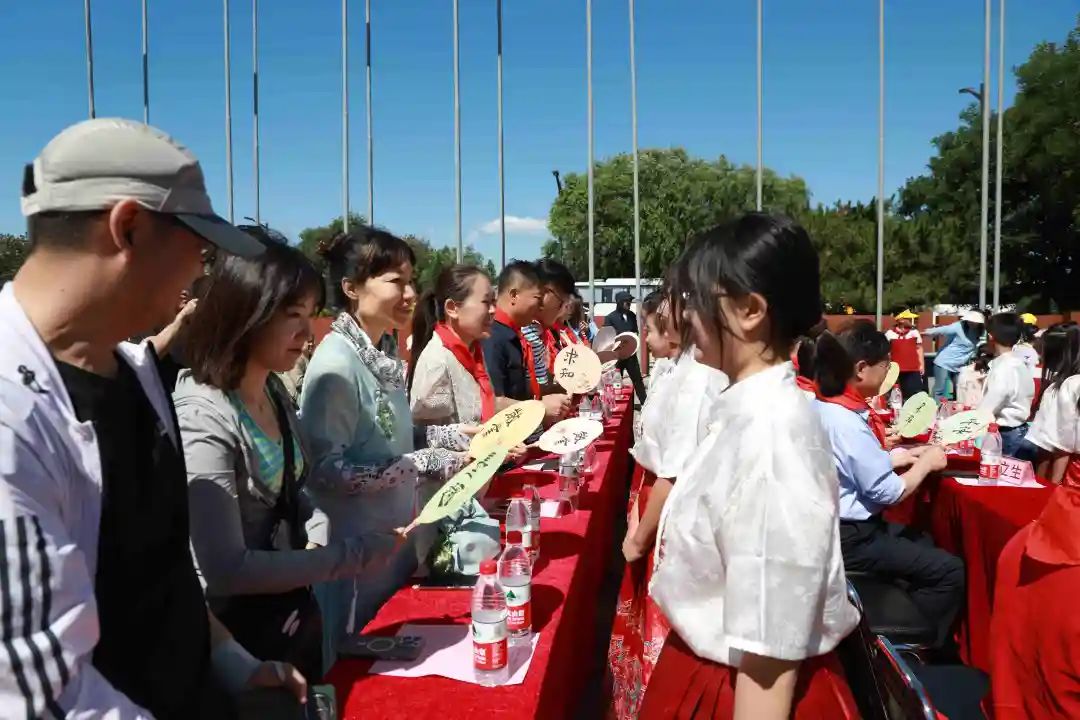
(102, 612)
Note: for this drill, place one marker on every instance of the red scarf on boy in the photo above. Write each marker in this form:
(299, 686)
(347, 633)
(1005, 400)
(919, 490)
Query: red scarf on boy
(569, 336)
(851, 400)
(548, 336)
(526, 351)
(473, 362)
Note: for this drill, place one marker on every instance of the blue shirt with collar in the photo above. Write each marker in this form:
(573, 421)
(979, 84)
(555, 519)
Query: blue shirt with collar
(958, 350)
(868, 483)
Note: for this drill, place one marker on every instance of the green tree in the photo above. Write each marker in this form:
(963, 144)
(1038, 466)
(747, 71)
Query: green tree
(310, 238)
(1041, 187)
(680, 196)
(429, 261)
(13, 251)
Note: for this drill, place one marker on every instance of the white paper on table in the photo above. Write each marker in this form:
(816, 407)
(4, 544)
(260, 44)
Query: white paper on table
(549, 509)
(448, 652)
(533, 466)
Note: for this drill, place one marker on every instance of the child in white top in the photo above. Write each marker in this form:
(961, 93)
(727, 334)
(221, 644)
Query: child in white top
(749, 572)
(1055, 432)
(1009, 387)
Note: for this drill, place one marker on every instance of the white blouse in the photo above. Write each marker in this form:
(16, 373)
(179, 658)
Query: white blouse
(1056, 427)
(443, 392)
(676, 414)
(749, 552)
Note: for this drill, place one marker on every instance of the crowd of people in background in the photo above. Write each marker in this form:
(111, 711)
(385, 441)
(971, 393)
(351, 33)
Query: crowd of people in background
(218, 506)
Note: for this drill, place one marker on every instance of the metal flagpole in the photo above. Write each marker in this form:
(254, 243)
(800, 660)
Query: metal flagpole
(228, 116)
(370, 134)
(345, 115)
(457, 134)
(255, 98)
(1000, 149)
(985, 209)
(502, 168)
(634, 141)
(881, 162)
(145, 65)
(589, 92)
(89, 57)
(760, 167)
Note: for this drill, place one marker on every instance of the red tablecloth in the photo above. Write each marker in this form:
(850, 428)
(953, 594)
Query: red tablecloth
(973, 523)
(574, 551)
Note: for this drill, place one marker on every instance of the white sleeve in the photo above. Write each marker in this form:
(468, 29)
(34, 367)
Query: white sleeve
(777, 532)
(432, 393)
(997, 392)
(1056, 427)
(688, 416)
(50, 620)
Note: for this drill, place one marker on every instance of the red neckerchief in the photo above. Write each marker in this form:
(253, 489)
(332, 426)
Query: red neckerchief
(569, 336)
(526, 351)
(1055, 535)
(851, 400)
(902, 332)
(548, 336)
(806, 384)
(473, 362)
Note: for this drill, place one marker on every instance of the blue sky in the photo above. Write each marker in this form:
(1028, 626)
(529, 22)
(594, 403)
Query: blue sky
(696, 89)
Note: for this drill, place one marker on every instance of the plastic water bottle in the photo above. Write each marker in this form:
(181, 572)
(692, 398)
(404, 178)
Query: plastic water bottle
(569, 480)
(532, 501)
(990, 456)
(489, 631)
(896, 401)
(585, 407)
(515, 576)
(517, 519)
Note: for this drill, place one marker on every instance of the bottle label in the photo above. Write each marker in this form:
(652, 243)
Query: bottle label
(519, 605)
(489, 645)
(989, 471)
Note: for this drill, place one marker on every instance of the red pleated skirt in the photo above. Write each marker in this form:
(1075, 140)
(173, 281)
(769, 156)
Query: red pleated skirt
(639, 629)
(686, 687)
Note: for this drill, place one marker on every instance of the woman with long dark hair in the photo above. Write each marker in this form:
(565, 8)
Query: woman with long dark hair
(748, 566)
(247, 460)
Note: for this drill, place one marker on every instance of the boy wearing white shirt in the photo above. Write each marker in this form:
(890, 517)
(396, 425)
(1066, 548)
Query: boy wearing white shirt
(1009, 385)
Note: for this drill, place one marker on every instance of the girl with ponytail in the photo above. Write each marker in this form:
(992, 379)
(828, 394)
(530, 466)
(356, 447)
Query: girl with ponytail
(448, 382)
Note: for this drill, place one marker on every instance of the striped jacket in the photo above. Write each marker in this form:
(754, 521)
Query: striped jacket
(50, 507)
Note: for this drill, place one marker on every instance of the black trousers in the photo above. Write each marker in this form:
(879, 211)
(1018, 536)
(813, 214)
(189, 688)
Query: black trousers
(934, 578)
(633, 369)
(911, 383)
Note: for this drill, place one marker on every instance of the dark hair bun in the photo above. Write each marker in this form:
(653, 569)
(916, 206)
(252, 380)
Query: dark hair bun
(332, 246)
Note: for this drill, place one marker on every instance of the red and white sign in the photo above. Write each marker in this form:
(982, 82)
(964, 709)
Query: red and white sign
(489, 645)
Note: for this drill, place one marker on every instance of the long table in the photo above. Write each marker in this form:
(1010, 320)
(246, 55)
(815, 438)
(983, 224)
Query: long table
(974, 523)
(574, 550)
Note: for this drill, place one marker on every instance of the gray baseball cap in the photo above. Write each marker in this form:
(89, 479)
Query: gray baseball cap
(95, 164)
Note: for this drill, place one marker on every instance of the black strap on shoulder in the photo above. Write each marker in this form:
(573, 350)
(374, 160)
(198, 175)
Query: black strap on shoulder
(288, 502)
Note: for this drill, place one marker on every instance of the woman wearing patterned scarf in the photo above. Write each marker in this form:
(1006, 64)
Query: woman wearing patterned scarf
(369, 467)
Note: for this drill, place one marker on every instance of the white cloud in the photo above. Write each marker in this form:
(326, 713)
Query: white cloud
(516, 225)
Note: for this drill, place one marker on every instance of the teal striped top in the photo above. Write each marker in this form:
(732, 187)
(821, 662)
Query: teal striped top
(268, 452)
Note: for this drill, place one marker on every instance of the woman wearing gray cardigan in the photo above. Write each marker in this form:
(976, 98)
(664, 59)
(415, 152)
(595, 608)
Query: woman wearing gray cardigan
(258, 543)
